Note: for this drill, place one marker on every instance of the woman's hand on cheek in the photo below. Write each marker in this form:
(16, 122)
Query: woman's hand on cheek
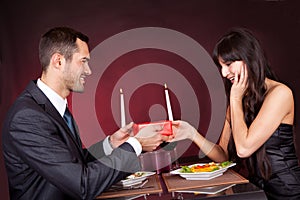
(240, 84)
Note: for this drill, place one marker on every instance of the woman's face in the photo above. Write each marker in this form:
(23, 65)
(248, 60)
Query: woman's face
(229, 69)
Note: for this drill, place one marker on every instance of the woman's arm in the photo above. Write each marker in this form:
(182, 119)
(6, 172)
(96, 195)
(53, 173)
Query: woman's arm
(278, 107)
(216, 152)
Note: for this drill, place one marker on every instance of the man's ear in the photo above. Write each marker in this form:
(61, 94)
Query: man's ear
(56, 60)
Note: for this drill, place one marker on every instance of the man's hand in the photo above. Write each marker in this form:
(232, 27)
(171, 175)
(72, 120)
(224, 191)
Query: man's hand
(121, 135)
(150, 137)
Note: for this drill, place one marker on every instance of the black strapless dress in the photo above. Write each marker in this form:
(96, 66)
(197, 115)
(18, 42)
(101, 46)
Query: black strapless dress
(284, 182)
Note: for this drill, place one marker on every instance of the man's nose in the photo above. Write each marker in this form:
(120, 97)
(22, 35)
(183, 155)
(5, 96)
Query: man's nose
(88, 70)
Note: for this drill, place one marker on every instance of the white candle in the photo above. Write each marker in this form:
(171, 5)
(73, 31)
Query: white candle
(170, 114)
(123, 120)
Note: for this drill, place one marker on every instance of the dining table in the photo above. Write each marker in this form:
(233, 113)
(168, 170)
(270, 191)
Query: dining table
(170, 186)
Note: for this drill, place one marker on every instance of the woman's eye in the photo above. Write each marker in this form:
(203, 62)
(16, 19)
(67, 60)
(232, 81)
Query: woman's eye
(228, 63)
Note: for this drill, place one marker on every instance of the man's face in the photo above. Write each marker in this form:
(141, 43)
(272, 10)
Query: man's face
(76, 70)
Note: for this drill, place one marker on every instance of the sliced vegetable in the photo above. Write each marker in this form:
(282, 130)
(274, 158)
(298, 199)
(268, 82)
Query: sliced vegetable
(209, 167)
(186, 169)
(226, 163)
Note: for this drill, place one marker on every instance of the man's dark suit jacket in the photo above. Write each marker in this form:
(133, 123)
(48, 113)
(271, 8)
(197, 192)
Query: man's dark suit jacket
(43, 160)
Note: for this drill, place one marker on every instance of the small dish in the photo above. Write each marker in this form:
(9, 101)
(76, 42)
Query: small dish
(133, 179)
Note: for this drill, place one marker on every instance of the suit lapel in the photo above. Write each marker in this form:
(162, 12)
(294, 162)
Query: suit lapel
(48, 107)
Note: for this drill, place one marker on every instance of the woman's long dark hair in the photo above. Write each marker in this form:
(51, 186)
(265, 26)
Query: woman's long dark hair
(239, 44)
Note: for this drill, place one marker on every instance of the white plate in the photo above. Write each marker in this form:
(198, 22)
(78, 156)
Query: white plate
(208, 190)
(202, 175)
(131, 180)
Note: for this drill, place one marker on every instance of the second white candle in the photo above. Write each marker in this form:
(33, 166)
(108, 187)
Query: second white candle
(169, 109)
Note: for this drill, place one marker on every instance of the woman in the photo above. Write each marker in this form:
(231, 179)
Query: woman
(258, 130)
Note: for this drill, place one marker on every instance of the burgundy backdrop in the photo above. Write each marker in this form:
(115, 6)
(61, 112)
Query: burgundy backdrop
(276, 24)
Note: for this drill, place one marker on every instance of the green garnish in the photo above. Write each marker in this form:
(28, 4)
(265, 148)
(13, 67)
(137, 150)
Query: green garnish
(185, 169)
(225, 164)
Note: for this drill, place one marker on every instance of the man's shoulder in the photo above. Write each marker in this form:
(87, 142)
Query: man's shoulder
(27, 99)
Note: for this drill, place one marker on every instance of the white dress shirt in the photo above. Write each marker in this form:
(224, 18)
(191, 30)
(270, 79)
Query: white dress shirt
(60, 104)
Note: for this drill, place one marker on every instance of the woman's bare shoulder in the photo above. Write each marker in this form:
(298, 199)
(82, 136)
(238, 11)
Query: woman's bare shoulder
(278, 88)
(280, 97)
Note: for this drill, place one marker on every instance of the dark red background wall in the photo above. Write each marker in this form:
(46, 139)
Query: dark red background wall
(276, 23)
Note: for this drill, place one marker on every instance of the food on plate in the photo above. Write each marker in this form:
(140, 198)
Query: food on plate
(208, 167)
(226, 163)
(135, 175)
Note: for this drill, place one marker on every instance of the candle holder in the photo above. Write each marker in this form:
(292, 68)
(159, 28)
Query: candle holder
(165, 125)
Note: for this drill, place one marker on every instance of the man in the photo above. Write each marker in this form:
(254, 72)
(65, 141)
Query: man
(43, 155)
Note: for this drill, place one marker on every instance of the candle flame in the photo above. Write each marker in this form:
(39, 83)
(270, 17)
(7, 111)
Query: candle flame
(121, 91)
(166, 86)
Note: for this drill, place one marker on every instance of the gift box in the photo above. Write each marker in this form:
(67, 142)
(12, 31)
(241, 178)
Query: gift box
(165, 125)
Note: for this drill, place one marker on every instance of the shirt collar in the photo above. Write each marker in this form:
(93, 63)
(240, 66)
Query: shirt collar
(58, 102)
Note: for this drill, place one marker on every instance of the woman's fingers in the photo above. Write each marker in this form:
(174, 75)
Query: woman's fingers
(242, 74)
(236, 78)
(246, 75)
